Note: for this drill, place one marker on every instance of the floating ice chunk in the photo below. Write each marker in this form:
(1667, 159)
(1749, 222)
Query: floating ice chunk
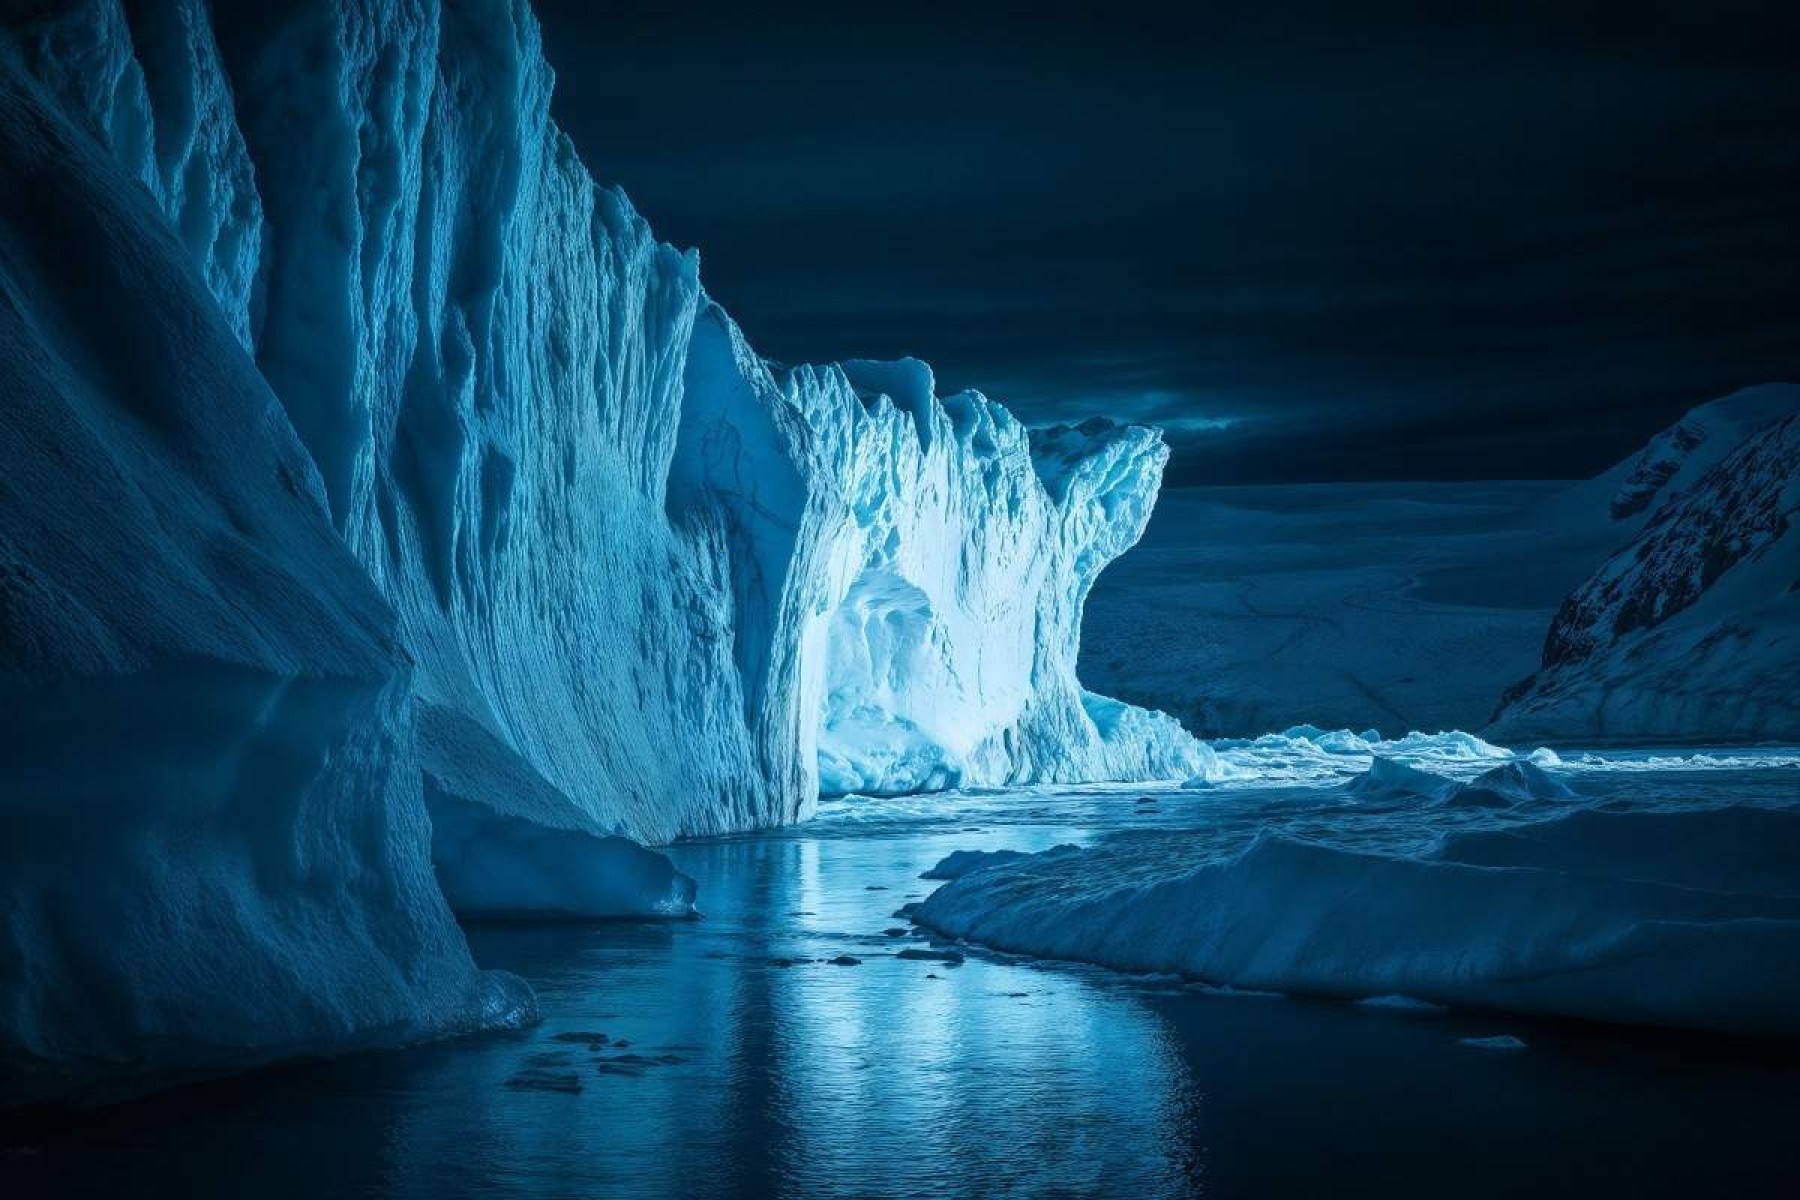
(506, 844)
(1508, 784)
(1342, 741)
(1504, 1043)
(1390, 779)
(1306, 754)
(1450, 746)
(494, 866)
(1330, 741)
(1398, 1003)
(1543, 756)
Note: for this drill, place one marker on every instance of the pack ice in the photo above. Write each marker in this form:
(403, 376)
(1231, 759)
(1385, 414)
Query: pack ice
(370, 462)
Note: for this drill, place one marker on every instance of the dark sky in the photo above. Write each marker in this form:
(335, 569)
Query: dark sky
(1314, 241)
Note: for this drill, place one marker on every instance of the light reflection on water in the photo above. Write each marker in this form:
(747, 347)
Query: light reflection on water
(919, 1078)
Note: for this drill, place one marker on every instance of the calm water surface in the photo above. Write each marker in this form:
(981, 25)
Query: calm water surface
(730, 1070)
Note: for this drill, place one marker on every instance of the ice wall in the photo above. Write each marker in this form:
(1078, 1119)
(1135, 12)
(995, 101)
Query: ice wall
(630, 560)
(391, 519)
(910, 573)
(213, 848)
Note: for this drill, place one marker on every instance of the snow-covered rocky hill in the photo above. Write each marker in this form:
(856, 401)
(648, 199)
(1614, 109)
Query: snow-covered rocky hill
(1691, 631)
(1418, 606)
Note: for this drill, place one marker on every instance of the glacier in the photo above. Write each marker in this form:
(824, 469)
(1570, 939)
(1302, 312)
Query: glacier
(605, 523)
(487, 526)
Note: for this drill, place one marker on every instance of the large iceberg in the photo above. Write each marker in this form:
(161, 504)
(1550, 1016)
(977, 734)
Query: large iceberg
(213, 849)
(607, 526)
(500, 520)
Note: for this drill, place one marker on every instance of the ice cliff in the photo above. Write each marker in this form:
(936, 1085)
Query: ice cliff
(590, 566)
(213, 847)
(608, 528)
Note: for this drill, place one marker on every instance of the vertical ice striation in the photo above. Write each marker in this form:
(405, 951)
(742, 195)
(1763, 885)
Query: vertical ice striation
(148, 81)
(213, 848)
(607, 526)
(594, 567)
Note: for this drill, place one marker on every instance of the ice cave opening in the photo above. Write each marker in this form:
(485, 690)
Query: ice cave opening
(884, 726)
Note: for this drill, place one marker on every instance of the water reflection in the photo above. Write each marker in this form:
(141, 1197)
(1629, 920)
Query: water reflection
(726, 1073)
(891, 1077)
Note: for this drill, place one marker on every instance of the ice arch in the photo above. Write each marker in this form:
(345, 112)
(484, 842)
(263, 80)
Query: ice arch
(947, 631)
(883, 727)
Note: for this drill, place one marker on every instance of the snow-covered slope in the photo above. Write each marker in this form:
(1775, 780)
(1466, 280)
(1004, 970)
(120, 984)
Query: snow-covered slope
(1676, 459)
(1422, 605)
(1398, 606)
(213, 849)
(1692, 631)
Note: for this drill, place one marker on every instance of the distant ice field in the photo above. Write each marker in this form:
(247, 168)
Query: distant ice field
(1398, 606)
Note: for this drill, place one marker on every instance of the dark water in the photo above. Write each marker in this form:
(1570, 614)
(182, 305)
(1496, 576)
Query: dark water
(920, 1078)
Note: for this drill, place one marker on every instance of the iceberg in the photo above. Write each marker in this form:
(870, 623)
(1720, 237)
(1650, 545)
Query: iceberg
(1508, 784)
(411, 531)
(604, 522)
(213, 847)
(1389, 779)
(1682, 919)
